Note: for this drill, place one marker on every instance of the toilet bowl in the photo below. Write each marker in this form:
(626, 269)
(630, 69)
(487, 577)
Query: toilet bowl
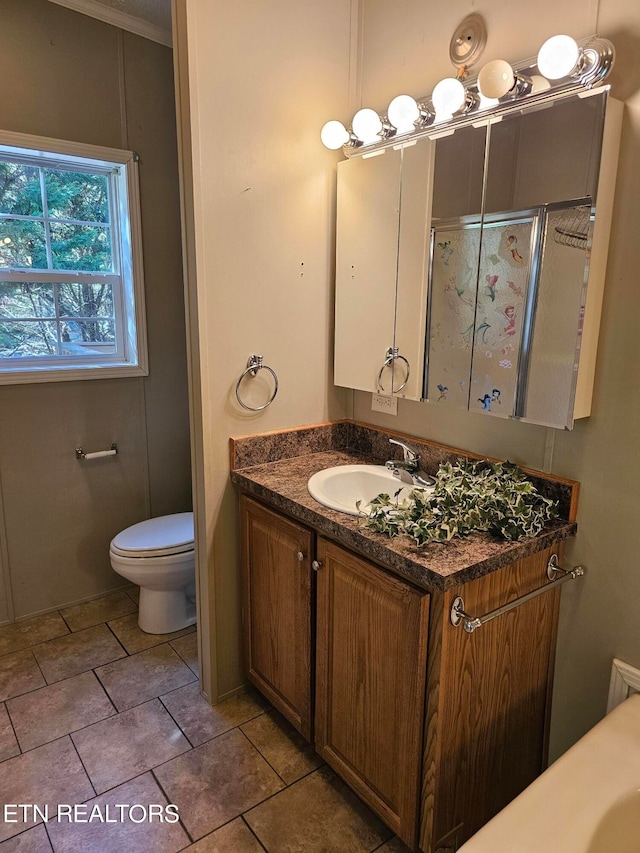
(158, 556)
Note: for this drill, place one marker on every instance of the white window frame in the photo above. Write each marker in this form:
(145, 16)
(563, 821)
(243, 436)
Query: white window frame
(128, 294)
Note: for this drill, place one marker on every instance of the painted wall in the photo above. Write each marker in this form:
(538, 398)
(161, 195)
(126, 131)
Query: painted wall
(72, 77)
(256, 82)
(405, 48)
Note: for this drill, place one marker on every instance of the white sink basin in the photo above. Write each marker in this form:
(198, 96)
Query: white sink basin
(341, 487)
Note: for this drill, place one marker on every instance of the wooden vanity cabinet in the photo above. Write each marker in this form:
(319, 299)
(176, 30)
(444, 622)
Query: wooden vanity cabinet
(276, 610)
(371, 652)
(488, 701)
(435, 729)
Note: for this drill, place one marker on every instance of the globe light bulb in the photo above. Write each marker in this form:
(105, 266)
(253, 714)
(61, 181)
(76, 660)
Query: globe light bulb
(558, 57)
(334, 135)
(367, 125)
(496, 79)
(448, 97)
(403, 113)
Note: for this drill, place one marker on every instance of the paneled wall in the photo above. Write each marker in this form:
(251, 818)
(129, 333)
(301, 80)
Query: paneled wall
(257, 81)
(71, 77)
(405, 48)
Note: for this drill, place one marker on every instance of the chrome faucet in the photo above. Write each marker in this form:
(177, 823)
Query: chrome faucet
(407, 469)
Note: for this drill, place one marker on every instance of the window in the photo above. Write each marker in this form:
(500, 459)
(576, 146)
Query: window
(71, 288)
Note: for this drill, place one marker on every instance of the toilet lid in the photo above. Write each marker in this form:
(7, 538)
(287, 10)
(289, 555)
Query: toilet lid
(156, 537)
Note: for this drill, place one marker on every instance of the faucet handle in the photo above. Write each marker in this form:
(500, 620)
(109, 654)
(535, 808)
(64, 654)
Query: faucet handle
(409, 454)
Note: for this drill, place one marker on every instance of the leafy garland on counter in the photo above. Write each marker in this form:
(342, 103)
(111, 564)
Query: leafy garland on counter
(468, 497)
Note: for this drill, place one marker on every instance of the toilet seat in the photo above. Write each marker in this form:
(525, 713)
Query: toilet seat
(156, 537)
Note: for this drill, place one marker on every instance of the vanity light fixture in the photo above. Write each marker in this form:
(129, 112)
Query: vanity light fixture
(368, 126)
(405, 114)
(561, 56)
(334, 135)
(448, 97)
(563, 65)
(498, 79)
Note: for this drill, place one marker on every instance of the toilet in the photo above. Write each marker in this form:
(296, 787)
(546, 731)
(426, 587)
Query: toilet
(158, 556)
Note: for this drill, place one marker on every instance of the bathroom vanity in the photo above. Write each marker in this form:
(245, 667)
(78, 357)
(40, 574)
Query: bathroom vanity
(349, 635)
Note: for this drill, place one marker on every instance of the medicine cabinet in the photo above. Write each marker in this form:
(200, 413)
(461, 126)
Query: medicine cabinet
(502, 291)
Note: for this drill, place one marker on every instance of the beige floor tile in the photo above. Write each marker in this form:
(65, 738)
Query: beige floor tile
(134, 639)
(19, 673)
(46, 776)
(200, 722)
(134, 593)
(32, 841)
(235, 837)
(124, 836)
(91, 613)
(216, 782)
(125, 746)
(8, 743)
(39, 629)
(319, 814)
(187, 648)
(77, 653)
(290, 755)
(54, 711)
(144, 676)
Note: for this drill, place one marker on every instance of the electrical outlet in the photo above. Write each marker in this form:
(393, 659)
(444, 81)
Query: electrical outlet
(381, 403)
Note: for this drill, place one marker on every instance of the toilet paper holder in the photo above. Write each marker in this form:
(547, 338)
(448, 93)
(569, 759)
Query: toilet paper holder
(98, 454)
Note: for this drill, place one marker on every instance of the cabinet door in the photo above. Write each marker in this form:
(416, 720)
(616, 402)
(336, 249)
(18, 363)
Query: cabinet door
(383, 214)
(368, 222)
(276, 610)
(370, 679)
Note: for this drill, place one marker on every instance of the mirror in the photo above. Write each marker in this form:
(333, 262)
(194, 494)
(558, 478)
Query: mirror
(506, 341)
(455, 249)
(470, 266)
(383, 226)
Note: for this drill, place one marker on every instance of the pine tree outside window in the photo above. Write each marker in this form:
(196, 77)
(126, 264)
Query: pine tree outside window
(71, 282)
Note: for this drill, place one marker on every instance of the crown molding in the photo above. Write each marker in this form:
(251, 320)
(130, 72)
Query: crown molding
(118, 19)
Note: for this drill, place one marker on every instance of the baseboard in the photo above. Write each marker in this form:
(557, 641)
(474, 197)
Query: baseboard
(70, 603)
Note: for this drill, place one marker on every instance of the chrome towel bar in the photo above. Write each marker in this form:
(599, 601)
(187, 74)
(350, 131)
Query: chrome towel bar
(80, 454)
(254, 364)
(471, 623)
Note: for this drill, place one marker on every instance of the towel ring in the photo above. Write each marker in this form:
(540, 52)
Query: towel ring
(254, 364)
(392, 355)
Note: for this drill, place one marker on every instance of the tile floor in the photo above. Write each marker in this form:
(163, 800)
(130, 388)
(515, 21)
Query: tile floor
(94, 711)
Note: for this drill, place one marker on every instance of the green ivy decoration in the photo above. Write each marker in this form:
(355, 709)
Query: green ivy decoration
(495, 497)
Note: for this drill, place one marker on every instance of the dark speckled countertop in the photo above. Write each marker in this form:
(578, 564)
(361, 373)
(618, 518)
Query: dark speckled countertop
(283, 485)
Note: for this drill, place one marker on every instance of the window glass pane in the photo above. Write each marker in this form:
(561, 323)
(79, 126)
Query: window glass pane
(22, 339)
(86, 336)
(76, 195)
(20, 190)
(22, 244)
(26, 299)
(86, 300)
(80, 247)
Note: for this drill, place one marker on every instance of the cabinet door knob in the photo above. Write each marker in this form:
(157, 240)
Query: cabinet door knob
(316, 564)
(300, 557)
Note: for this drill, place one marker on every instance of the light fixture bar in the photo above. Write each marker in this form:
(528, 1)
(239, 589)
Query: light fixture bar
(594, 57)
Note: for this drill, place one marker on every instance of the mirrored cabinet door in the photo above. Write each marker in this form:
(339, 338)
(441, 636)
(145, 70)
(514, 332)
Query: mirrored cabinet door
(456, 223)
(516, 284)
(544, 163)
